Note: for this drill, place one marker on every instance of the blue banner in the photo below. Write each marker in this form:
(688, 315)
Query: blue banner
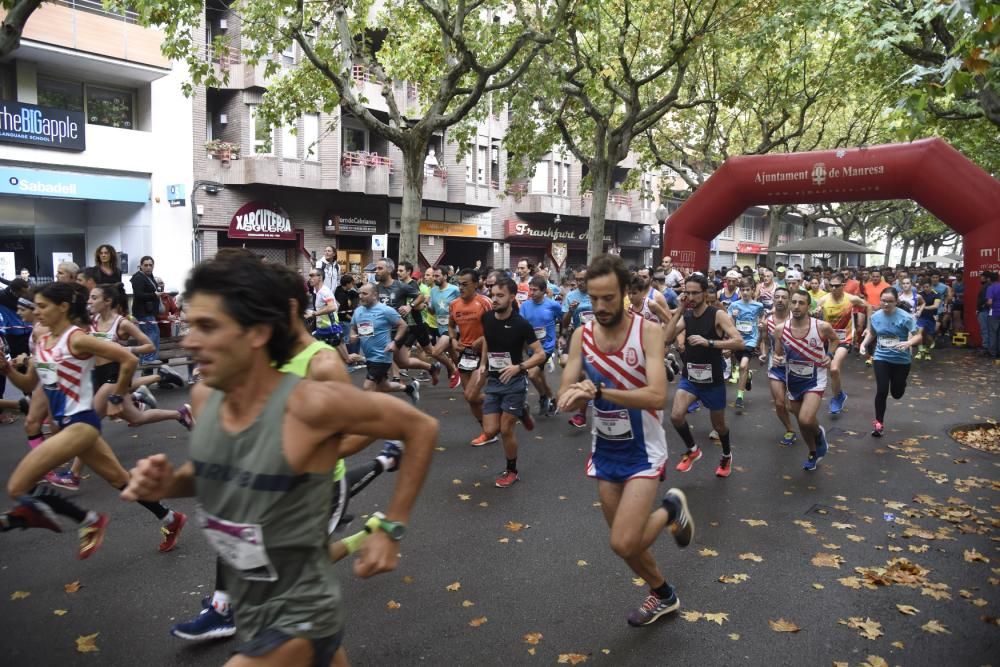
(72, 185)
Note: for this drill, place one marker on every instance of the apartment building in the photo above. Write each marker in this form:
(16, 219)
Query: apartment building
(91, 115)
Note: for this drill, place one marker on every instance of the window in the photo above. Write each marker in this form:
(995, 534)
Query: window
(540, 178)
(481, 160)
(289, 143)
(310, 135)
(262, 134)
(468, 169)
(355, 140)
(729, 233)
(751, 229)
(111, 107)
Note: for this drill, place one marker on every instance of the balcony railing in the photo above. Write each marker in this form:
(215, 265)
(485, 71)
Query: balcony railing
(351, 159)
(228, 57)
(96, 7)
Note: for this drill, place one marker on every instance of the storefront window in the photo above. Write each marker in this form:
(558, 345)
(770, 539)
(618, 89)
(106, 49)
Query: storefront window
(60, 94)
(109, 107)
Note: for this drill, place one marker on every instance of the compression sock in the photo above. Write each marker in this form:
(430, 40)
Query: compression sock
(35, 440)
(724, 439)
(512, 464)
(159, 510)
(739, 393)
(684, 430)
(664, 592)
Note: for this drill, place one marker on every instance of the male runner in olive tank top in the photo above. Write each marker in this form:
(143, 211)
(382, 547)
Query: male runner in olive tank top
(262, 453)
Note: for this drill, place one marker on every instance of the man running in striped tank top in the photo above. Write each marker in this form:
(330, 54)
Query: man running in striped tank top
(629, 450)
(776, 372)
(805, 345)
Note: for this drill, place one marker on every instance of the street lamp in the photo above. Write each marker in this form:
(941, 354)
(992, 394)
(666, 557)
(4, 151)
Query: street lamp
(661, 214)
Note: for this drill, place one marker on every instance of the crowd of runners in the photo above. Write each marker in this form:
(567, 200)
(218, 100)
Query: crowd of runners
(267, 454)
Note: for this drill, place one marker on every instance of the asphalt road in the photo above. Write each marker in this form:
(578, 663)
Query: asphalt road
(557, 576)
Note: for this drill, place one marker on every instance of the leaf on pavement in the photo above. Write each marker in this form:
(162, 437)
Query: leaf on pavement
(581, 563)
(899, 645)
(874, 661)
(476, 622)
(867, 628)
(754, 522)
(971, 555)
(87, 643)
(532, 638)
(935, 628)
(936, 594)
(638, 581)
(504, 540)
(408, 579)
(918, 549)
(691, 616)
(453, 587)
(734, 578)
(392, 604)
(72, 587)
(456, 481)
(751, 556)
(571, 658)
(484, 504)
(856, 538)
(468, 603)
(717, 617)
(19, 595)
(464, 496)
(843, 526)
(819, 587)
(834, 547)
(907, 609)
(708, 553)
(60, 612)
(513, 526)
(827, 560)
(734, 636)
(781, 625)
(803, 523)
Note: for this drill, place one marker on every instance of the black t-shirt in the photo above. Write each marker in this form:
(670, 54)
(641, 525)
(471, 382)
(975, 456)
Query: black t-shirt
(347, 301)
(397, 295)
(506, 341)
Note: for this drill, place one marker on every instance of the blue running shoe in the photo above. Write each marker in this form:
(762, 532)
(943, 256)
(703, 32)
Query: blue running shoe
(788, 439)
(209, 624)
(810, 463)
(694, 407)
(837, 403)
(821, 444)
(393, 454)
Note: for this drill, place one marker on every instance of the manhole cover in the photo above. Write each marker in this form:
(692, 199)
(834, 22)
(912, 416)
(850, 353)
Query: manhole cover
(984, 437)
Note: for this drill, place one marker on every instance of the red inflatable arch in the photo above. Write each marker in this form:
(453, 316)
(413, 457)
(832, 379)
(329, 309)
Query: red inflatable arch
(929, 171)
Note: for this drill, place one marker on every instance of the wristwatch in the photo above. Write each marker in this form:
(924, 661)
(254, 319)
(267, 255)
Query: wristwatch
(115, 399)
(394, 529)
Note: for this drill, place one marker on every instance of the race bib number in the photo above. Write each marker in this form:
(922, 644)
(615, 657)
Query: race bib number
(240, 545)
(586, 316)
(101, 335)
(521, 297)
(540, 333)
(366, 329)
(744, 327)
(442, 321)
(841, 334)
(700, 372)
(499, 360)
(613, 424)
(468, 362)
(801, 368)
(47, 373)
(888, 342)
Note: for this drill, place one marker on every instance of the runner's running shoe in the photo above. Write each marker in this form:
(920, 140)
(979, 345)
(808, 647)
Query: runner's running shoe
(435, 372)
(739, 403)
(527, 419)
(413, 391)
(749, 380)
(694, 407)
(578, 420)
(837, 403)
(172, 531)
(788, 439)
(652, 608)
(91, 536)
(810, 463)
(481, 440)
(821, 444)
(725, 468)
(64, 480)
(455, 380)
(35, 514)
(145, 396)
(682, 527)
(209, 624)
(877, 428)
(506, 479)
(688, 460)
(393, 451)
(185, 417)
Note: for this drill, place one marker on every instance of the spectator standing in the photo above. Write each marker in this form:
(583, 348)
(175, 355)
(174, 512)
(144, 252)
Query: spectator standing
(146, 306)
(983, 311)
(330, 269)
(106, 261)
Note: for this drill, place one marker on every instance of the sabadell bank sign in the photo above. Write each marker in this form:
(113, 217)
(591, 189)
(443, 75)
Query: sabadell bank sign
(260, 220)
(42, 127)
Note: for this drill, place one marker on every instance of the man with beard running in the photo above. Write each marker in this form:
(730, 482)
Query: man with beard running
(747, 315)
(805, 345)
(442, 293)
(776, 372)
(619, 355)
(708, 331)
(503, 370)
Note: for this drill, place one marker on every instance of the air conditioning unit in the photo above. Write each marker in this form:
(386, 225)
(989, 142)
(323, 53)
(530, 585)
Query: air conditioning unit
(223, 24)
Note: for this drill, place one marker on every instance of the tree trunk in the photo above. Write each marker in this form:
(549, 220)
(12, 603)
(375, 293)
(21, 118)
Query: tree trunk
(13, 24)
(600, 175)
(906, 251)
(413, 192)
(809, 232)
(774, 221)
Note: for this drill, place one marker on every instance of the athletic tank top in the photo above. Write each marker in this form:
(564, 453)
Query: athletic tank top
(766, 296)
(64, 376)
(615, 426)
(645, 311)
(111, 335)
(771, 325)
(840, 316)
(726, 300)
(267, 522)
(702, 365)
(802, 356)
(299, 366)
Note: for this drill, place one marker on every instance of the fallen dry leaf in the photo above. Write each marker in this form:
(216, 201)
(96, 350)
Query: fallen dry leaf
(708, 552)
(484, 504)
(571, 658)
(476, 622)
(531, 651)
(464, 496)
(971, 555)
(827, 560)
(87, 643)
(907, 609)
(867, 628)
(468, 603)
(781, 625)
(513, 526)
(835, 547)
(717, 617)
(979, 602)
(935, 628)
(72, 587)
(638, 581)
(936, 594)
(851, 582)
(754, 522)
(843, 526)
(392, 604)
(751, 556)
(734, 578)
(453, 587)
(874, 661)
(581, 563)
(408, 579)
(818, 587)
(734, 636)
(504, 540)
(19, 595)
(855, 538)
(60, 612)
(532, 638)
(898, 645)
(691, 616)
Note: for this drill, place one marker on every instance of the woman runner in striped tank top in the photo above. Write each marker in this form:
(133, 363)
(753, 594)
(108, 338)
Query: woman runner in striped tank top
(64, 358)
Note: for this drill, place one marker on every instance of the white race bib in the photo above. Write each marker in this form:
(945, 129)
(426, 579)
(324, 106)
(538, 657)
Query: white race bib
(700, 372)
(442, 321)
(613, 424)
(101, 335)
(468, 363)
(540, 333)
(499, 360)
(801, 368)
(744, 327)
(47, 373)
(521, 297)
(888, 342)
(366, 329)
(841, 334)
(586, 316)
(241, 546)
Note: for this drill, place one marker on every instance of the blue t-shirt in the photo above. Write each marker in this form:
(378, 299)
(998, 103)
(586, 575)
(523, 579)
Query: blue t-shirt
(892, 330)
(584, 312)
(942, 292)
(440, 301)
(747, 318)
(374, 326)
(555, 289)
(543, 317)
(671, 296)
